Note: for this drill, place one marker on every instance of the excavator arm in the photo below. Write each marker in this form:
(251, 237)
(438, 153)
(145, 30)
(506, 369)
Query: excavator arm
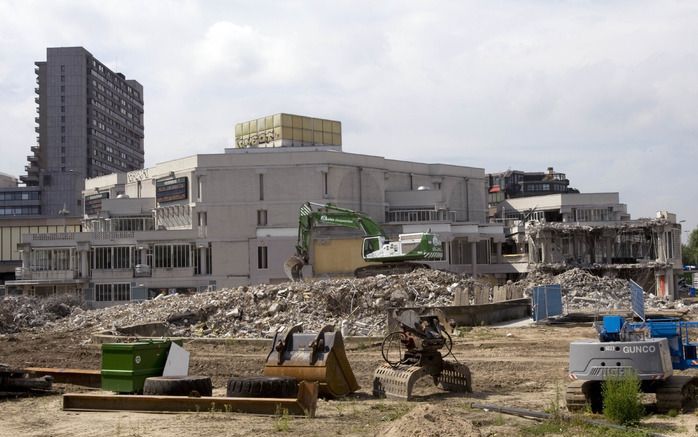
(312, 214)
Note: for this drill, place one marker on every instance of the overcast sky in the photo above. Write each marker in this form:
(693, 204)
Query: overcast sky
(604, 91)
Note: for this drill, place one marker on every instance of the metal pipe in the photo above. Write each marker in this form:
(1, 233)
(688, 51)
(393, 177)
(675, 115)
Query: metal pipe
(528, 414)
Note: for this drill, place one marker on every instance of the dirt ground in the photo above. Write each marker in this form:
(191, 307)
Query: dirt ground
(520, 367)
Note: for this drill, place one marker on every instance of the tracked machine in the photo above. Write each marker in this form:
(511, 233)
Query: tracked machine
(386, 257)
(651, 349)
(415, 351)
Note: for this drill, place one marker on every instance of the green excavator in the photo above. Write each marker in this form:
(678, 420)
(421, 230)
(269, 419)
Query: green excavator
(388, 257)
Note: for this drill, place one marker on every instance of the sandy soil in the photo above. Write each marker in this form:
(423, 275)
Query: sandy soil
(521, 367)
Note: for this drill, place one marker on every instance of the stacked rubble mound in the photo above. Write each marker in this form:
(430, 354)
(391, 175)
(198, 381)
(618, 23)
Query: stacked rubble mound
(18, 313)
(358, 306)
(583, 291)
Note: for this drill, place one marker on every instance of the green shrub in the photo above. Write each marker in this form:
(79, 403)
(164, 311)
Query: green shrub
(621, 399)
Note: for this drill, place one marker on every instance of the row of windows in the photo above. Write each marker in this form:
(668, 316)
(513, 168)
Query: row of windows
(116, 257)
(593, 215)
(19, 195)
(111, 122)
(120, 86)
(19, 210)
(545, 187)
(123, 115)
(51, 259)
(112, 292)
(173, 256)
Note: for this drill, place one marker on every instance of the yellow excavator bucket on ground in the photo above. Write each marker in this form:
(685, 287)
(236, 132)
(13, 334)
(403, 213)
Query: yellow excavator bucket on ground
(313, 357)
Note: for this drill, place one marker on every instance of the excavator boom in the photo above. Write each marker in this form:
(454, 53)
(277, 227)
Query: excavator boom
(421, 246)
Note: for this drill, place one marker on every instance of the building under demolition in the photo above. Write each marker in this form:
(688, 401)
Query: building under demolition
(593, 231)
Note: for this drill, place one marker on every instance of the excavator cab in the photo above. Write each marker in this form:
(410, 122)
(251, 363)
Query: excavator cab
(372, 245)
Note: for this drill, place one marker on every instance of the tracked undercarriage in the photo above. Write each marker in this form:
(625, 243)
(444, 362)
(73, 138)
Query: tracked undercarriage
(676, 393)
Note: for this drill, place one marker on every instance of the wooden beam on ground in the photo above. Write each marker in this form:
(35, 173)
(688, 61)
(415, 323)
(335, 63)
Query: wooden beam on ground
(304, 405)
(83, 377)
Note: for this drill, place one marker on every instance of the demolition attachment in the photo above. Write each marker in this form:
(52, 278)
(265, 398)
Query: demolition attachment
(312, 357)
(414, 352)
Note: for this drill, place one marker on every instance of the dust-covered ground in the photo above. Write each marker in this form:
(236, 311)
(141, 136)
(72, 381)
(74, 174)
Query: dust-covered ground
(520, 367)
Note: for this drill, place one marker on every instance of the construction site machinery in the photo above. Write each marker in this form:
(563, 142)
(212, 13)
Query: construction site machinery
(651, 349)
(18, 382)
(390, 257)
(318, 357)
(415, 352)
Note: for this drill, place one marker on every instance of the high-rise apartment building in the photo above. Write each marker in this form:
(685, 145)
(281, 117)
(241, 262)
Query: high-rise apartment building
(89, 123)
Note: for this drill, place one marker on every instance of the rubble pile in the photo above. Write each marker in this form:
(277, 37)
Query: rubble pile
(583, 291)
(19, 313)
(357, 305)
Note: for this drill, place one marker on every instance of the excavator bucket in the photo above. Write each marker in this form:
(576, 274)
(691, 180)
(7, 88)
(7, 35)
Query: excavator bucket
(293, 268)
(313, 357)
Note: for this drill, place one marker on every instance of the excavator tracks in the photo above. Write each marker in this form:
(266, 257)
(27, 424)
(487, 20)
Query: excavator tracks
(581, 395)
(394, 268)
(676, 393)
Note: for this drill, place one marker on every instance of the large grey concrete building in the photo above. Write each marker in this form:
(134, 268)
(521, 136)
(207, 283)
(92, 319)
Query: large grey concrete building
(231, 219)
(89, 123)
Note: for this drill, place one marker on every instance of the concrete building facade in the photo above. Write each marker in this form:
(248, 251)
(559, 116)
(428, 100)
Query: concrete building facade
(231, 219)
(89, 123)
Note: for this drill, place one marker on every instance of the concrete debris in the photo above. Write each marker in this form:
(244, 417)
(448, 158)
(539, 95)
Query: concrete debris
(357, 306)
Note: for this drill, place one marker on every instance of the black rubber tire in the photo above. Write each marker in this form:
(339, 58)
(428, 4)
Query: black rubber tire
(178, 386)
(262, 387)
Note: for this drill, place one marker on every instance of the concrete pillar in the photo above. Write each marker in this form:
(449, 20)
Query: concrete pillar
(202, 260)
(665, 283)
(84, 263)
(143, 256)
(473, 258)
(499, 253)
(71, 259)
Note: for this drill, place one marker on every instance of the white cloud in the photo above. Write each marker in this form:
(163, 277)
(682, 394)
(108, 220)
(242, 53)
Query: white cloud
(604, 91)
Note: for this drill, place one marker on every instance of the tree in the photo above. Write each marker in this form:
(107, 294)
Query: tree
(689, 252)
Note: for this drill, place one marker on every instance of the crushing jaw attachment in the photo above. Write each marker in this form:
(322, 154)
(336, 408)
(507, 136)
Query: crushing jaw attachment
(293, 268)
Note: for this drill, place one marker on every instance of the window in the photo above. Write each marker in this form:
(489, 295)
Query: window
(62, 88)
(199, 188)
(62, 139)
(122, 257)
(324, 183)
(112, 292)
(103, 292)
(202, 219)
(62, 108)
(262, 257)
(173, 256)
(261, 186)
(102, 258)
(261, 217)
(62, 78)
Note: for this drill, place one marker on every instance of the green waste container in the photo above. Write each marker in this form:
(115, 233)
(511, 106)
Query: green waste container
(125, 366)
